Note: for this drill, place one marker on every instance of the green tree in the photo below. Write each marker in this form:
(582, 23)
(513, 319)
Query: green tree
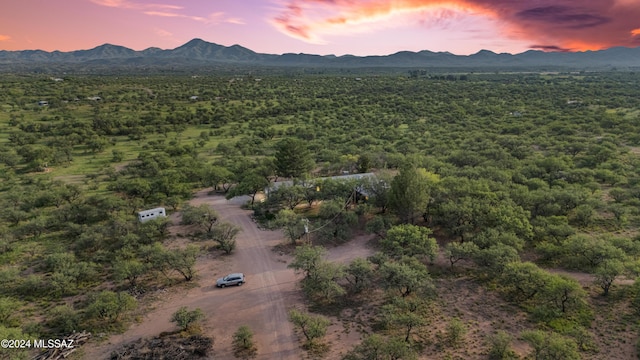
(9, 310)
(379, 225)
(455, 333)
(586, 251)
(130, 270)
(289, 196)
(405, 314)
(409, 240)
(410, 192)
(218, 177)
(64, 320)
(550, 346)
(500, 346)
(183, 261)
(564, 294)
(203, 216)
(13, 333)
(465, 207)
(154, 230)
(407, 276)
(250, 184)
(117, 156)
(583, 215)
(456, 251)
(338, 222)
(523, 281)
(313, 327)
(292, 224)
(377, 347)
(110, 306)
(378, 189)
(607, 272)
(322, 284)
(306, 259)
(554, 229)
(495, 258)
(243, 345)
(186, 318)
(225, 233)
(292, 158)
(359, 273)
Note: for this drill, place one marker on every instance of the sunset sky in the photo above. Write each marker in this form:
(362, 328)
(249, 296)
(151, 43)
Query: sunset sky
(358, 27)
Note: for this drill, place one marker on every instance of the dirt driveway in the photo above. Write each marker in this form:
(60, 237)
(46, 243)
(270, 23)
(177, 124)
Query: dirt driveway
(262, 303)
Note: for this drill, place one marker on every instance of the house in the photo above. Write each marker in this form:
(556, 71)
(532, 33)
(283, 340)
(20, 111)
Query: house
(193, 98)
(94, 98)
(146, 215)
(312, 182)
(43, 103)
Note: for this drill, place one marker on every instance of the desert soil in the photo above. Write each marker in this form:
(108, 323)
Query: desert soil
(272, 289)
(262, 302)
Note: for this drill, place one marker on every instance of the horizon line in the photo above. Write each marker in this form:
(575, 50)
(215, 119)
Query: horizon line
(534, 48)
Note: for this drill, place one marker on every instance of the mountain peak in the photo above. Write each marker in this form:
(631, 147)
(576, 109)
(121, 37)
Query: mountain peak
(198, 52)
(484, 52)
(196, 43)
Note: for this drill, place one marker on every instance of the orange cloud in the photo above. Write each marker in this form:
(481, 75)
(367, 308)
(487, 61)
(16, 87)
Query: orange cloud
(5, 37)
(313, 19)
(553, 24)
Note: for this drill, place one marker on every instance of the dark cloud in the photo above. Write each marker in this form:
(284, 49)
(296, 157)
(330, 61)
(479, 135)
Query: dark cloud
(549, 48)
(562, 16)
(570, 25)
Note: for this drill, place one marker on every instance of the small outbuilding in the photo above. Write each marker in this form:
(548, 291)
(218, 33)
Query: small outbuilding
(146, 215)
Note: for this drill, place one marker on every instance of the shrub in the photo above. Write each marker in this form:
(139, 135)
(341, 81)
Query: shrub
(185, 318)
(243, 345)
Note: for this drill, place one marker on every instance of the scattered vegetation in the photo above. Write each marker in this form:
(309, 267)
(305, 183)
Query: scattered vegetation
(516, 179)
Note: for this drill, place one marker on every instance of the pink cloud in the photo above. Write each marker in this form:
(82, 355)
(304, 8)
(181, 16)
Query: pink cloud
(165, 10)
(551, 24)
(176, 15)
(164, 33)
(5, 37)
(236, 21)
(126, 4)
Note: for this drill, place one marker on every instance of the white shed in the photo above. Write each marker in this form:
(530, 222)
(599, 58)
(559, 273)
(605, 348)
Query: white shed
(146, 215)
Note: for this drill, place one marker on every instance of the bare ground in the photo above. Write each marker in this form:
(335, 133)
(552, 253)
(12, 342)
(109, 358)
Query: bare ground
(271, 290)
(262, 303)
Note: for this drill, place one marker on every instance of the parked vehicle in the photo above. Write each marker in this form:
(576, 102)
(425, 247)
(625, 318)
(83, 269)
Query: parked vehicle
(231, 279)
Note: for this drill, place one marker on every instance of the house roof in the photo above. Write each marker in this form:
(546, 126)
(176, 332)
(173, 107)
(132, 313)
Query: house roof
(275, 185)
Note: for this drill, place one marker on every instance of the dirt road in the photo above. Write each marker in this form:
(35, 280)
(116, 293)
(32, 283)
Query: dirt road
(262, 303)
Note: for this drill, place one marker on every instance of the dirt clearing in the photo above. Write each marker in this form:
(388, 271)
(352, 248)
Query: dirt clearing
(262, 303)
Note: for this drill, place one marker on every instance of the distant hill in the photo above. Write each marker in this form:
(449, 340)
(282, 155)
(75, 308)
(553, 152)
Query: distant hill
(198, 52)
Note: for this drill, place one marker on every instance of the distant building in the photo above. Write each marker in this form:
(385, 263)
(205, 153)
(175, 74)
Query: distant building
(43, 103)
(146, 215)
(94, 98)
(193, 98)
(312, 182)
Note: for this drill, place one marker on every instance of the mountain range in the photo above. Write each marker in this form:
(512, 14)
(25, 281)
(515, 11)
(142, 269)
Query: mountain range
(198, 52)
